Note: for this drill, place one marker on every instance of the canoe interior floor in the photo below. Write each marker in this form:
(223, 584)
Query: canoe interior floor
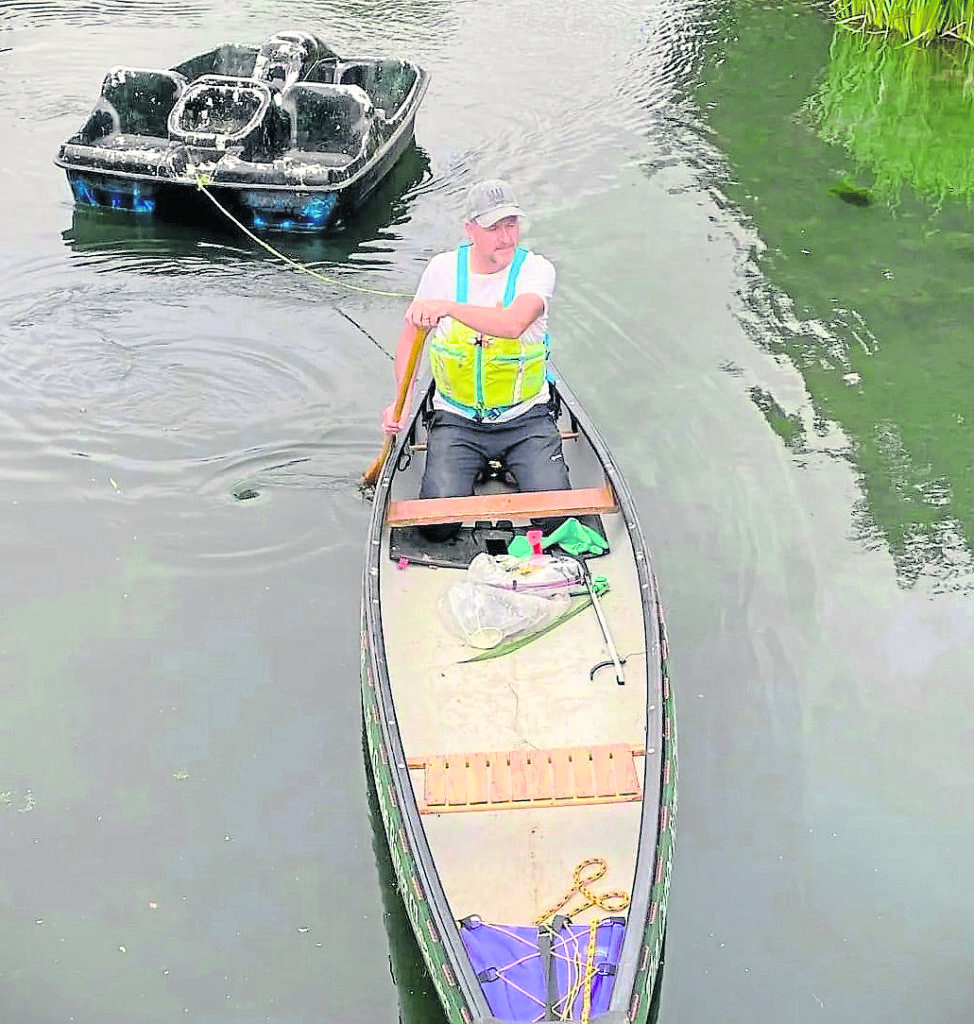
(512, 867)
(510, 863)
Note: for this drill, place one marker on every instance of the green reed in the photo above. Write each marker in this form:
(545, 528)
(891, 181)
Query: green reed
(917, 21)
(904, 113)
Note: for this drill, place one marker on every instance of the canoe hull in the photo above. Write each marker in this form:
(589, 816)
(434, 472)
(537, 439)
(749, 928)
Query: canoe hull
(421, 909)
(424, 911)
(413, 837)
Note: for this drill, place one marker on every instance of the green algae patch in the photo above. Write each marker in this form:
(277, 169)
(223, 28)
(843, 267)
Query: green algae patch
(854, 195)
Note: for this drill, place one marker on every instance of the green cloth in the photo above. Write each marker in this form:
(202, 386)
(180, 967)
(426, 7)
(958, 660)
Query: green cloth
(600, 584)
(577, 539)
(572, 536)
(519, 547)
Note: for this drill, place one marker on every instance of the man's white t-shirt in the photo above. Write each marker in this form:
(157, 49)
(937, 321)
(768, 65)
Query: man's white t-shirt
(536, 277)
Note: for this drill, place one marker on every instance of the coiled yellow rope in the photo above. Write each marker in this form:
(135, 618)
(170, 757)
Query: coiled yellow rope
(613, 902)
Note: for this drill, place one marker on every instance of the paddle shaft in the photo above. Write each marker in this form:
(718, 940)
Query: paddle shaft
(405, 386)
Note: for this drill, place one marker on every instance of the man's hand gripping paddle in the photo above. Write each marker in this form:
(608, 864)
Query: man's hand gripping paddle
(405, 387)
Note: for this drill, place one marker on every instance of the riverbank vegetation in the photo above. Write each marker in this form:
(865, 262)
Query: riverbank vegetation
(902, 112)
(917, 21)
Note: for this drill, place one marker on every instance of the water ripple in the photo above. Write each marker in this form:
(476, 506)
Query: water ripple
(166, 391)
(16, 14)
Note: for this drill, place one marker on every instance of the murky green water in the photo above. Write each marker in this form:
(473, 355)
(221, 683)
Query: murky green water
(763, 301)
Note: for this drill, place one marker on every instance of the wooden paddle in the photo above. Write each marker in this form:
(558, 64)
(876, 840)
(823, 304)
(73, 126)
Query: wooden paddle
(405, 386)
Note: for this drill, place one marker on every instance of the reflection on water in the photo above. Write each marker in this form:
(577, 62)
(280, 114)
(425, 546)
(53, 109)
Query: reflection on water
(870, 302)
(902, 112)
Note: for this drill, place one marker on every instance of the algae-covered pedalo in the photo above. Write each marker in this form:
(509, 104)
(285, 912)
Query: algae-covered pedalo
(917, 21)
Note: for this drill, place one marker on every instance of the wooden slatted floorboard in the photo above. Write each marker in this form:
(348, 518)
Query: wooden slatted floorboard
(557, 777)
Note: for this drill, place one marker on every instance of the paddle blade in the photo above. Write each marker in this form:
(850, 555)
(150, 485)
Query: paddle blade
(370, 476)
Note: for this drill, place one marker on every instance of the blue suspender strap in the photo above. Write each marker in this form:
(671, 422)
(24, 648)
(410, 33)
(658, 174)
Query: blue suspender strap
(463, 272)
(519, 257)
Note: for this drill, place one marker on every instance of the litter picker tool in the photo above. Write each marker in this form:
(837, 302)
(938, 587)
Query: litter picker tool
(604, 625)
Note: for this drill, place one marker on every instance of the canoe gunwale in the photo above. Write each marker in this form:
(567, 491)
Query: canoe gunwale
(633, 958)
(420, 853)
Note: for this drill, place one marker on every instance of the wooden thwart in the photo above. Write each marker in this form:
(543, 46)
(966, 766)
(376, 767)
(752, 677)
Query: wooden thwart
(557, 777)
(502, 505)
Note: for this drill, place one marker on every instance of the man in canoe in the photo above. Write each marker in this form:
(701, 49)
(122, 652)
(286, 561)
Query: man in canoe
(485, 305)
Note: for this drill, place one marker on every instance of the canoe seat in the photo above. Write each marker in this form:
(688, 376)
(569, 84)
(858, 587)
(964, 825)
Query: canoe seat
(508, 779)
(502, 505)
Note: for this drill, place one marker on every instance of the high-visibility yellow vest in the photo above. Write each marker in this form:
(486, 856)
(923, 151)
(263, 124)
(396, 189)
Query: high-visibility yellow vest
(479, 374)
